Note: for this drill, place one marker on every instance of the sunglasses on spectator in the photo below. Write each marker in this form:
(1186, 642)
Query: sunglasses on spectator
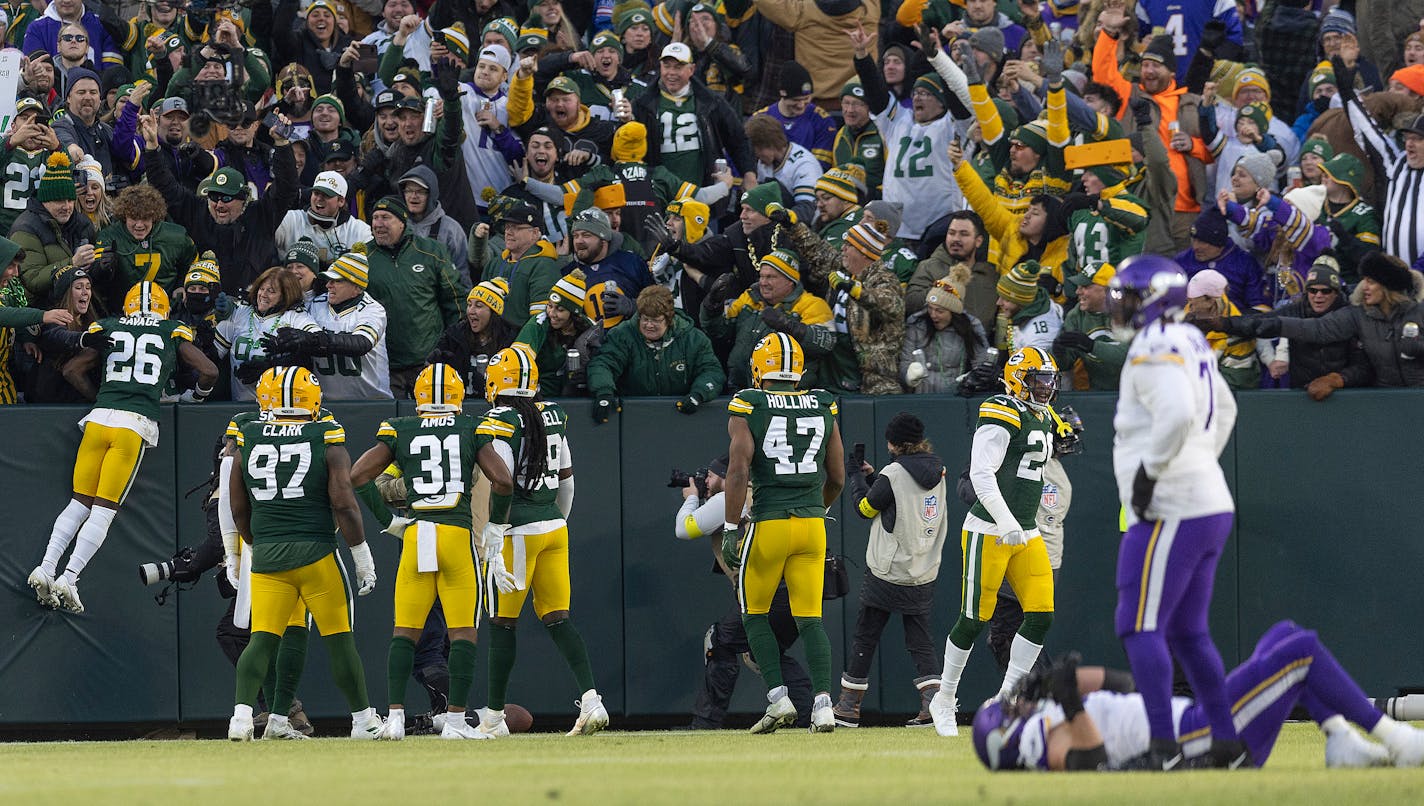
(73, 38)
(220, 197)
(1321, 291)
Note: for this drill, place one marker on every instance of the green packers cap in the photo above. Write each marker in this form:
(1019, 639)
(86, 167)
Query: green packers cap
(225, 181)
(562, 84)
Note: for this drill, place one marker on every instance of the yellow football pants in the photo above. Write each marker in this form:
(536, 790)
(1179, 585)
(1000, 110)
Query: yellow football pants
(107, 462)
(986, 564)
(321, 586)
(545, 560)
(790, 548)
(456, 583)
(299, 612)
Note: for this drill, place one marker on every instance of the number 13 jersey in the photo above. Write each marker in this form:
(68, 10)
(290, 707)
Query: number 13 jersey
(789, 430)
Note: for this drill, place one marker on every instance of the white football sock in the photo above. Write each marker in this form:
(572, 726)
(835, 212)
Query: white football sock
(776, 694)
(65, 527)
(396, 712)
(244, 711)
(90, 538)
(1022, 655)
(955, 659)
(1334, 724)
(363, 716)
(1390, 732)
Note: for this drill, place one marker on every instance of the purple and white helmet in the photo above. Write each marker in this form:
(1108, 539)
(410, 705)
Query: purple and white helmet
(997, 735)
(1145, 289)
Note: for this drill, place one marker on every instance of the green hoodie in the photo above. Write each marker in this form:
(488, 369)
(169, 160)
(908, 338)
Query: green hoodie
(682, 363)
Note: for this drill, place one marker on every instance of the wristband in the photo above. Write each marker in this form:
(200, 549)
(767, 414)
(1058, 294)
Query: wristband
(729, 527)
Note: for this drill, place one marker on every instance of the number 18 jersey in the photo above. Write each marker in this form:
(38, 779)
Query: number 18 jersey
(789, 430)
(1020, 477)
(436, 457)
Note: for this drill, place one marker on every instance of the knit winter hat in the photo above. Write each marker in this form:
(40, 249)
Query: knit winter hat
(1207, 283)
(840, 184)
(457, 41)
(395, 206)
(989, 41)
(1109, 175)
(592, 220)
(1324, 73)
(867, 239)
(505, 27)
(762, 197)
(1325, 271)
(931, 83)
(1251, 76)
(853, 89)
(1318, 146)
(784, 262)
(1210, 228)
(630, 142)
(631, 17)
(1033, 134)
(1337, 21)
(1411, 77)
(351, 267)
(606, 40)
(1261, 167)
(204, 270)
(57, 184)
(1161, 50)
(64, 277)
(1020, 284)
(904, 429)
(1345, 169)
(695, 216)
(490, 295)
(948, 292)
(795, 81)
(1257, 112)
(304, 251)
(889, 212)
(1387, 270)
(570, 292)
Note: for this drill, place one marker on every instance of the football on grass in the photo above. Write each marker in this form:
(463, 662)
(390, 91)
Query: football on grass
(518, 718)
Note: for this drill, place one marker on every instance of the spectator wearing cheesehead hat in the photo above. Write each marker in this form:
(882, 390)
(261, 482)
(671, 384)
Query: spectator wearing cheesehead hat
(350, 351)
(482, 331)
(859, 139)
(776, 302)
(839, 192)
(1354, 225)
(1106, 224)
(805, 123)
(563, 326)
(1087, 330)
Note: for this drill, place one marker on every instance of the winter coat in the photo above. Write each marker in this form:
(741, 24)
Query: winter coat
(296, 44)
(741, 325)
(946, 355)
(732, 250)
(331, 242)
(682, 363)
(551, 354)
(532, 277)
(414, 280)
(719, 129)
(1003, 226)
(1379, 334)
(980, 295)
(1309, 361)
(821, 43)
(48, 245)
(458, 346)
(435, 224)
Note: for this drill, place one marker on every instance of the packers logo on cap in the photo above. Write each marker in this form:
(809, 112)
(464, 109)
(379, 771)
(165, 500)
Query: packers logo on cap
(220, 179)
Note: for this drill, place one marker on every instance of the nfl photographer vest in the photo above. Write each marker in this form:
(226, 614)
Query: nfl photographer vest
(910, 554)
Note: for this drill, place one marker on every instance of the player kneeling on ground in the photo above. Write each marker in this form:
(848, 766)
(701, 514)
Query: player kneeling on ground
(291, 490)
(1088, 718)
(1012, 443)
(524, 451)
(435, 452)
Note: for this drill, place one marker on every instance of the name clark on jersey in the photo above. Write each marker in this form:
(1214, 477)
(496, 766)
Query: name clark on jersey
(792, 402)
(279, 430)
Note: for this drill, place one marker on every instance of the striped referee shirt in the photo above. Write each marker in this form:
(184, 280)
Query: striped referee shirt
(1404, 192)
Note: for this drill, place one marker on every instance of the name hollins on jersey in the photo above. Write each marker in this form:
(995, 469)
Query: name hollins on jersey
(792, 402)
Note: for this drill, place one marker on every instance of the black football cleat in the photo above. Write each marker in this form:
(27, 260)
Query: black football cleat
(1163, 755)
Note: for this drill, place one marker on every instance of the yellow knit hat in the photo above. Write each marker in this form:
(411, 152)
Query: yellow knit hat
(630, 142)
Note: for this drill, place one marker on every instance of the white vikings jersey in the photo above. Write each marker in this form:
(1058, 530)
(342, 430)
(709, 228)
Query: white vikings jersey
(798, 172)
(354, 377)
(1174, 415)
(1121, 719)
(241, 336)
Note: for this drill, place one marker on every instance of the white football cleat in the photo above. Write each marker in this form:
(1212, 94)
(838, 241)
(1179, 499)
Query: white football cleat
(41, 581)
(943, 709)
(457, 728)
(1347, 748)
(394, 729)
(779, 714)
(280, 727)
(66, 596)
(823, 716)
(436, 720)
(1409, 751)
(493, 725)
(367, 725)
(239, 728)
(592, 718)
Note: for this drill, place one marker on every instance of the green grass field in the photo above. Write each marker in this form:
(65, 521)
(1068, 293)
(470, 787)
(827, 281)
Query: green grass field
(865, 766)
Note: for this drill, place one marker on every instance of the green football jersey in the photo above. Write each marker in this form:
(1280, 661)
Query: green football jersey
(436, 457)
(1020, 477)
(680, 137)
(23, 170)
(284, 467)
(790, 430)
(536, 500)
(142, 352)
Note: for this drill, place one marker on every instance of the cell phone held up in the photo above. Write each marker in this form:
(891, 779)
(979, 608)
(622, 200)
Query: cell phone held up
(857, 454)
(278, 128)
(367, 59)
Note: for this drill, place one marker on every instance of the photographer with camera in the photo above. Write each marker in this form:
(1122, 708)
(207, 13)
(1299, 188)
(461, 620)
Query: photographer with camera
(703, 513)
(906, 506)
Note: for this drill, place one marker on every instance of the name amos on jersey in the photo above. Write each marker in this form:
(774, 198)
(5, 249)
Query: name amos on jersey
(792, 402)
(437, 422)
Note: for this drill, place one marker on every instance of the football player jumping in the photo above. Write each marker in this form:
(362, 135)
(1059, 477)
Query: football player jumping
(1013, 441)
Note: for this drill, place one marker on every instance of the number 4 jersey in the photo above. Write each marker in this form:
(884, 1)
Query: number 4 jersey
(789, 430)
(436, 457)
(284, 468)
(535, 509)
(142, 352)
(1020, 474)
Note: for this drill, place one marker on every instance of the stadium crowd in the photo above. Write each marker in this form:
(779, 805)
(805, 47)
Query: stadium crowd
(640, 194)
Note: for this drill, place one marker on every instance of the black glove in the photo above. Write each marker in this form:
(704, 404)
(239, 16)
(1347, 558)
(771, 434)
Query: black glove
(929, 43)
(978, 381)
(1412, 347)
(1071, 339)
(688, 405)
(1142, 109)
(250, 371)
(602, 409)
(1321, 104)
(1344, 239)
(447, 82)
(288, 340)
(781, 322)
(964, 488)
(1073, 202)
(968, 64)
(780, 215)
(1344, 79)
(1255, 327)
(718, 293)
(1142, 487)
(615, 303)
(1213, 36)
(94, 340)
(1052, 61)
(658, 230)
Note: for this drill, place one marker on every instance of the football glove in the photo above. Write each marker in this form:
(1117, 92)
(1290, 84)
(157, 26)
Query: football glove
(780, 215)
(230, 566)
(1143, 486)
(396, 528)
(492, 538)
(365, 568)
(94, 340)
(731, 546)
(503, 580)
(615, 303)
(1014, 537)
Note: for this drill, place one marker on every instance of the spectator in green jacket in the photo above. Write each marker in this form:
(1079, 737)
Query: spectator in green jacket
(657, 352)
(49, 233)
(412, 276)
(535, 262)
(139, 245)
(563, 338)
(1087, 334)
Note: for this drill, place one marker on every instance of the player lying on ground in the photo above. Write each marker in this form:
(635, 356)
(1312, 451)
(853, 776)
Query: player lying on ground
(1084, 718)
